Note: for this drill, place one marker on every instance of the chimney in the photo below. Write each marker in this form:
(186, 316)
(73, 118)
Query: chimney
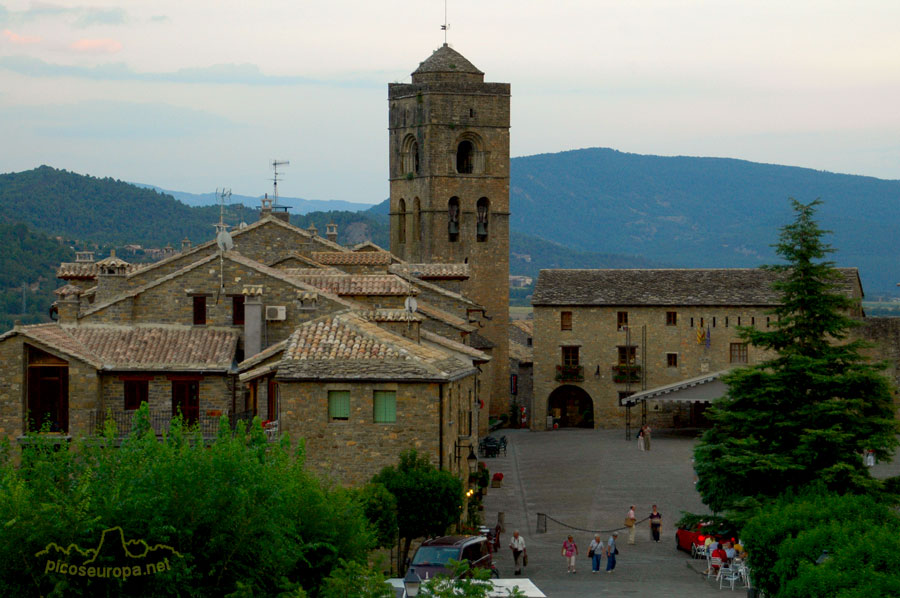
(331, 232)
(111, 281)
(253, 319)
(266, 209)
(84, 257)
(313, 230)
(68, 303)
(185, 245)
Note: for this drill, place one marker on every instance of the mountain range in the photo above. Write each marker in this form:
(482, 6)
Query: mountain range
(298, 205)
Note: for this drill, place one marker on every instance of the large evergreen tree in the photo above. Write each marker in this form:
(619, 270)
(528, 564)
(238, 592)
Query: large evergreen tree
(810, 411)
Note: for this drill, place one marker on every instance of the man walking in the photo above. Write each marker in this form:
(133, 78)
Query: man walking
(611, 552)
(517, 544)
(629, 523)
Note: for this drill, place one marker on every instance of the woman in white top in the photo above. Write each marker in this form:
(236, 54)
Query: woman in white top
(596, 552)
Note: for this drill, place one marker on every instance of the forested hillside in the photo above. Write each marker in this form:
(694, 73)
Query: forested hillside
(700, 212)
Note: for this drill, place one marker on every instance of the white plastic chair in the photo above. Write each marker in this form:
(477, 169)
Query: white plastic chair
(713, 566)
(728, 574)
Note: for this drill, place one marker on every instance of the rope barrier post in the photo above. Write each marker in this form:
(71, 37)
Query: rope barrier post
(541, 523)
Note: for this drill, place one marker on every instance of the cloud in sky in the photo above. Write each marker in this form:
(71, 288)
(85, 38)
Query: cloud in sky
(97, 46)
(15, 38)
(233, 74)
(80, 16)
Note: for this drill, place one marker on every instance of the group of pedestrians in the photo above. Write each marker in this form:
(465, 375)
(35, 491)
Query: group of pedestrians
(643, 438)
(597, 548)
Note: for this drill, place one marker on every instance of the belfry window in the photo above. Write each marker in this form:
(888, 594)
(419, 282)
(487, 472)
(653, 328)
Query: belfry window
(465, 157)
(482, 208)
(453, 219)
(401, 221)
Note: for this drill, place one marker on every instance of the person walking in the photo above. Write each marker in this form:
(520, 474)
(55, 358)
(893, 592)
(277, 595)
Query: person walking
(595, 551)
(630, 520)
(655, 523)
(570, 551)
(517, 544)
(647, 437)
(611, 551)
(640, 439)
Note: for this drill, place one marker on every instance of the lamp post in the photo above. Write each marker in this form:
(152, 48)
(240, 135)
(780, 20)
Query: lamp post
(411, 583)
(472, 460)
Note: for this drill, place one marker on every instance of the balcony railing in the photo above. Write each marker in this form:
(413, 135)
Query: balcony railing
(160, 422)
(570, 373)
(626, 373)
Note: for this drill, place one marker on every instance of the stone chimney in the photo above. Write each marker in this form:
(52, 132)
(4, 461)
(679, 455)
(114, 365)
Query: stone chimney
(253, 319)
(185, 245)
(68, 303)
(313, 230)
(331, 232)
(111, 281)
(266, 208)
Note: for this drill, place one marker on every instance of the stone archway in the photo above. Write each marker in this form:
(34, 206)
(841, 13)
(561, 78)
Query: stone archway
(571, 407)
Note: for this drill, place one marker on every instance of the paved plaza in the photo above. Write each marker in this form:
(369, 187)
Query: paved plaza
(587, 479)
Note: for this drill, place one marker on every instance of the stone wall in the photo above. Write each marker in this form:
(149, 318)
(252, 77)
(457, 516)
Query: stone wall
(352, 451)
(84, 389)
(215, 393)
(596, 333)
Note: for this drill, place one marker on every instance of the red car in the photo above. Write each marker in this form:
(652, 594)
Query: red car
(690, 540)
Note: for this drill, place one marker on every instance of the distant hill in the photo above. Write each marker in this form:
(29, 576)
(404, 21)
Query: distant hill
(297, 204)
(701, 212)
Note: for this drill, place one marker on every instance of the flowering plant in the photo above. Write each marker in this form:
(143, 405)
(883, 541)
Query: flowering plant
(497, 477)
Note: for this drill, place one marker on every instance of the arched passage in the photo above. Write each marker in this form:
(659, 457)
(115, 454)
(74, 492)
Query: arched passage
(571, 407)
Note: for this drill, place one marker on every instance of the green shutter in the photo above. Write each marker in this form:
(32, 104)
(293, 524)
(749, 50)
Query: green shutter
(339, 404)
(385, 406)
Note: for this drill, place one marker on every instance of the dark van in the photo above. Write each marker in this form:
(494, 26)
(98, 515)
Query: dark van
(433, 555)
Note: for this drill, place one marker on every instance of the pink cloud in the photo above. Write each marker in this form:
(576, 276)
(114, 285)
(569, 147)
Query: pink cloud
(15, 38)
(102, 45)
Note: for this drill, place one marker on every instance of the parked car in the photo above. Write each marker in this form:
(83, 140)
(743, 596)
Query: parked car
(433, 556)
(690, 539)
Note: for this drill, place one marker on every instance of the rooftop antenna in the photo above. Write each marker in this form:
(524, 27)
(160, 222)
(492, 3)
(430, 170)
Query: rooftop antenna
(275, 165)
(223, 238)
(446, 25)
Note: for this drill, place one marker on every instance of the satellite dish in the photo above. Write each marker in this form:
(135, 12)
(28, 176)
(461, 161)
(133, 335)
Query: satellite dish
(224, 241)
(410, 304)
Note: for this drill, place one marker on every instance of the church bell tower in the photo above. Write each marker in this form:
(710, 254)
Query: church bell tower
(449, 175)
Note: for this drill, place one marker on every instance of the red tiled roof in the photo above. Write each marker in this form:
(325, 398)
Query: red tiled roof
(357, 284)
(352, 258)
(439, 271)
(88, 270)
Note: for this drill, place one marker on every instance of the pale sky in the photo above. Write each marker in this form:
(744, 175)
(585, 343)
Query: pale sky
(192, 95)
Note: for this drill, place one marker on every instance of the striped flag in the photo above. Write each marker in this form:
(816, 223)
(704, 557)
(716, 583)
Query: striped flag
(701, 335)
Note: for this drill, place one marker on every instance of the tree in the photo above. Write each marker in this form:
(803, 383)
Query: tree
(810, 411)
(428, 500)
(786, 540)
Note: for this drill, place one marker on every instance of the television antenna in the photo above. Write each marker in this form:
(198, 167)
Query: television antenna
(275, 165)
(223, 237)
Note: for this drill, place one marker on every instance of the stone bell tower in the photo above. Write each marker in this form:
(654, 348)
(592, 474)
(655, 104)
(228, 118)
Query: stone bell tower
(449, 174)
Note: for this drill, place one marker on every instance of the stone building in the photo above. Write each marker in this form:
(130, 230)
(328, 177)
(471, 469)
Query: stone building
(449, 183)
(600, 336)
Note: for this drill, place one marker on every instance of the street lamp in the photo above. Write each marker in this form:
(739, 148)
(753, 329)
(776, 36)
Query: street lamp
(411, 583)
(472, 460)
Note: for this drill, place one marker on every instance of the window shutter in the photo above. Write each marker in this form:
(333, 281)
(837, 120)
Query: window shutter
(385, 403)
(339, 404)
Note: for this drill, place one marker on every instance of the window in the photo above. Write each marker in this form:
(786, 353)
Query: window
(186, 400)
(627, 354)
(738, 353)
(692, 322)
(465, 157)
(48, 391)
(482, 208)
(739, 321)
(453, 219)
(401, 221)
(621, 319)
(199, 310)
(417, 220)
(338, 405)
(570, 356)
(415, 155)
(237, 310)
(753, 320)
(671, 318)
(672, 360)
(272, 400)
(714, 322)
(565, 320)
(136, 392)
(385, 406)
(726, 321)
(767, 321)
(528, 341)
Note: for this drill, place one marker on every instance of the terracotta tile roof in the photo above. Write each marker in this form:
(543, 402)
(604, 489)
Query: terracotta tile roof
(732, 286)
(358, 284)
(68, 290)
(263, 355)
(367, 246)
(352, 258)
(439, 271)
(389, 315)
(400, 270)
(520, 352)
(295, 255)
(323, 271)
(89, 270)
(138, 347)
(444, 317)
(345, 346)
